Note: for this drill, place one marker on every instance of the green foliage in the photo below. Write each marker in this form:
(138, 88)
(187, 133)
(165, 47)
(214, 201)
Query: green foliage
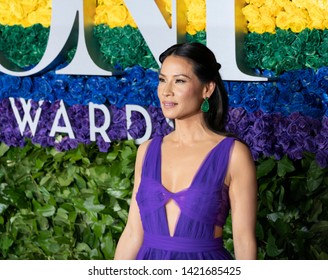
(64, 205)
(292, 209)
(74, 204)
(292, 220)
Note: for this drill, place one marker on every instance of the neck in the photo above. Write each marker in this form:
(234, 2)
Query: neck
(191, 130)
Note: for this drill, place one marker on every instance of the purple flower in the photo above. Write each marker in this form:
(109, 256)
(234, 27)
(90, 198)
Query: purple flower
(294, 152)
(321, 141)
(102, 145)
(66, 144)
(138, 125)
(322, 158)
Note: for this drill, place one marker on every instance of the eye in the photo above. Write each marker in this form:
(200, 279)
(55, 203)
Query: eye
(179, 81)
(161, 80)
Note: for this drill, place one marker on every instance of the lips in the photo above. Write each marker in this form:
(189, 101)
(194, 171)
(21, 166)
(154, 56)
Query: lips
(168, 105)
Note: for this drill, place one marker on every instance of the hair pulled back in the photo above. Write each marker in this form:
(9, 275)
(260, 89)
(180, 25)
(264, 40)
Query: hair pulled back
(206, 69)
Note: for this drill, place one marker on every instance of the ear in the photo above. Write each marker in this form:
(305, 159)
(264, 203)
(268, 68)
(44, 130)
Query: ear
(208, 89)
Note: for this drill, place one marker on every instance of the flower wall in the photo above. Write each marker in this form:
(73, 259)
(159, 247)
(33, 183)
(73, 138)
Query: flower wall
(284, 120)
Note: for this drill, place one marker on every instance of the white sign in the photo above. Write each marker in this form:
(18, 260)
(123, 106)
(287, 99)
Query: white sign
(56, 129)
(72, 23)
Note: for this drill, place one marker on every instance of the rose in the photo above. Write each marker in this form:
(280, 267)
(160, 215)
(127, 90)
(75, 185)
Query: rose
(135, 74)
(289, 82)
(96, 86)
(26, 87)
(321, 142)
(159, 123)
(268, 100)
(235, 92)
(41, 89)
(66, 144)
(9, 86)
(294, 152)
(322, 158)
(132, 47)
(313, 41)
(117, 129)
(102, 144)
(76, 91)
(251, 104)
(138, 125)
(79, 120)
(322, 78)
(196, 15)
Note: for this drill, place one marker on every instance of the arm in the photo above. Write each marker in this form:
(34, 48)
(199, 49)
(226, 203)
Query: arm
(243, 199)
(132, 236)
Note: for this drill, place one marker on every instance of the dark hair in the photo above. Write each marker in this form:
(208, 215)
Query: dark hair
(206, 69)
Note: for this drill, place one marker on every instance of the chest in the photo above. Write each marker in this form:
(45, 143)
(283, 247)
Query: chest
(179, 166)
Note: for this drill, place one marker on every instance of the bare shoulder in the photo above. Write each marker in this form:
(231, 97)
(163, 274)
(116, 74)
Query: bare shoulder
(143, 146)
(241, 164)
(241, 151)
(141, 151)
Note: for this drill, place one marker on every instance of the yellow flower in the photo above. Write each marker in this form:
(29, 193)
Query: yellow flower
(251, 13)
(282, 3)
(42, 15)
(267, 20)
(257, 3)
(166, 10)
(167, 4)
(294, 18)
(114, 13)
(196, 16)
(273, 7)
(25, 13)
(317, 17)
(282, 20)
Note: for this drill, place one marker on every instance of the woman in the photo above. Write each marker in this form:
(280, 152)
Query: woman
(187, 181)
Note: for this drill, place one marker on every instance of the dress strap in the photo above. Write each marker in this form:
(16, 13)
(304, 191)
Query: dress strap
(181, 244)
(214, 167)
(152, 161)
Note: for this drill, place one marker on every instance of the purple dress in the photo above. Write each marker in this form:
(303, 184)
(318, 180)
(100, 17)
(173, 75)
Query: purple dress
(204, 204)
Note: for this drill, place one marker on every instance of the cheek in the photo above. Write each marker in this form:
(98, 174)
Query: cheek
(159, 89)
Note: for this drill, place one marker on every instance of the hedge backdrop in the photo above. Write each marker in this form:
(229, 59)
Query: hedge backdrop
(63, 198)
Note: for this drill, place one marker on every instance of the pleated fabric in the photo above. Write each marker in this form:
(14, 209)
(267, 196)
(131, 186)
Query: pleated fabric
(203, 205)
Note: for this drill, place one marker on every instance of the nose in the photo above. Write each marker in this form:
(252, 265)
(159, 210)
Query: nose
(166, 89)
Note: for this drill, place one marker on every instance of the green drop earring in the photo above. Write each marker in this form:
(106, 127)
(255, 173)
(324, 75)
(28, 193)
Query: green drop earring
(205, 105)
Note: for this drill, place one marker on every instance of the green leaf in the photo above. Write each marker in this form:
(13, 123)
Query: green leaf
(314, 177)
(107, 246)
(65, 180)
(285, 165)
(275, 216)
(5, 242)
(91, 206)
(111, 156)
(46, 211)
(3, 207)
(269, 199)
(316, 210)
(3, 149)
(271, 246)
(321, 226)
(259, 231)
(81, 183)
(265, 167)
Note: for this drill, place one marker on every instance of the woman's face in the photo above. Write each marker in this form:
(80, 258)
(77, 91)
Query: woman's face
(179, 90)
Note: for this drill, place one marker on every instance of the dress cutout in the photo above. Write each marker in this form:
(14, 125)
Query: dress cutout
(203, 205)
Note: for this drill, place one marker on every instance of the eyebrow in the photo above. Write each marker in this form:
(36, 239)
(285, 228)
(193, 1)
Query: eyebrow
(177, 75)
